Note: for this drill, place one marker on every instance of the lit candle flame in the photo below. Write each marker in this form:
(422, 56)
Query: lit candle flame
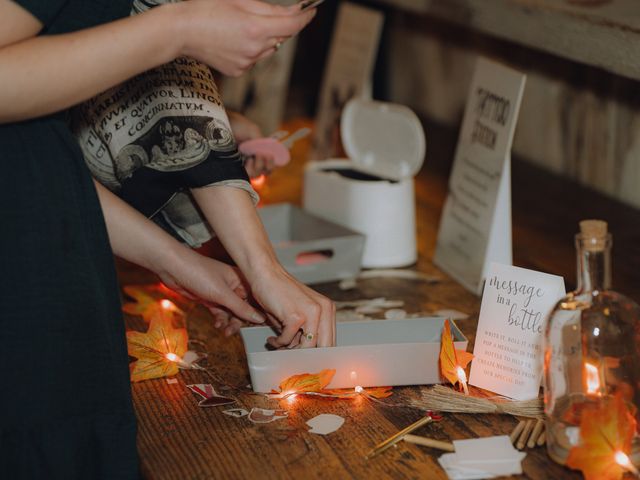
(592, 376)
(462, 377)
(623, 460)
(359, 389)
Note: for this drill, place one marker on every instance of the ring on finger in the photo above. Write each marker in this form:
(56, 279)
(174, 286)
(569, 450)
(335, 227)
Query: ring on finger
(277, 45)
(308, 335)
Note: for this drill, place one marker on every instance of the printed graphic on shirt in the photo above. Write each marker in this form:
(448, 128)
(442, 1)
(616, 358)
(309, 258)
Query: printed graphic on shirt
(157, 135)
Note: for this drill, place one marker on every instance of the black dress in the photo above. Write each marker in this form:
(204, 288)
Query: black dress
(65, 399)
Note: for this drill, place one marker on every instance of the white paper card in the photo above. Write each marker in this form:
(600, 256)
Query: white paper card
(348, 72)
(487, 449)
(475, 228)
(513, 314)
(486, 457)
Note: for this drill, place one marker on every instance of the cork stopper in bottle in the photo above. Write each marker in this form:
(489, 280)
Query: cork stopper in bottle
(594, 234)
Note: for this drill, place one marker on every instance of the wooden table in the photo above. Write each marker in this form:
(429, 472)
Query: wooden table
(178, 440)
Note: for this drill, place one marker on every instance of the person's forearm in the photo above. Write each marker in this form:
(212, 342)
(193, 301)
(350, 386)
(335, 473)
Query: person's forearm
(45, 74)
(235, 221)
(133, 236)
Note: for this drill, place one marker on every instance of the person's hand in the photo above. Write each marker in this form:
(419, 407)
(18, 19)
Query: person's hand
(217, 285)
(244, 129)
(226, 321)
(303, 317)
(292, 307)
(232, 35)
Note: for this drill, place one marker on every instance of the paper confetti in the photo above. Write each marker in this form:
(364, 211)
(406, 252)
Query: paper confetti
(236, 412)
(262, 415)
(325, 424)
(209, 396)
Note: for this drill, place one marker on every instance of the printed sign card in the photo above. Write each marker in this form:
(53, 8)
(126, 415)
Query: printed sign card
(475, 228)
(513, 315)
(350, 63)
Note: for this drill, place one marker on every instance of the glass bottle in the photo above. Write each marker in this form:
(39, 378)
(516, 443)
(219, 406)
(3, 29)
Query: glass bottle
(592, 342)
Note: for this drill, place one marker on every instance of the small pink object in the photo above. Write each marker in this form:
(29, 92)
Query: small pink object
(266, 146)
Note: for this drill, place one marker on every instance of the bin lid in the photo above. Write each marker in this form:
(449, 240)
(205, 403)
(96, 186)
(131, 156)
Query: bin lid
(382, 138)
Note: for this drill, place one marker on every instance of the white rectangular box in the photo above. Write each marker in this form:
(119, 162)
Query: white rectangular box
(371, 353)
(310, 248)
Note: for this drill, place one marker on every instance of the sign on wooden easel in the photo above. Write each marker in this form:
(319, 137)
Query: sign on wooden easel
(352, 56)
(475, 228)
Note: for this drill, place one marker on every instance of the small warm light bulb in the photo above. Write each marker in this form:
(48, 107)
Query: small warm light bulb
(172, 357)
(258, 182)
(462, 377)
(596, 332)
(167, 304)
(622, 459)
(359, 389)
(592, 376)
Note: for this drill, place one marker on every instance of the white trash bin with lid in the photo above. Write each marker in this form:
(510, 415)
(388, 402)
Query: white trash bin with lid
(372, 191)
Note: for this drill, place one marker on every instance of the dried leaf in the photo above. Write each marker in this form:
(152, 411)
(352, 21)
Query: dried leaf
(379, 392)
(144, 304)
(314, 383)
(375, 392)
(147, 301)
(151, 348)
(606, 429)
(450, 358)
(307, 382)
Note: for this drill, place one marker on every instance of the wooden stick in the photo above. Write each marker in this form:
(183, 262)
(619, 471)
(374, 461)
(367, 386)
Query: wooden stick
(429, 442)
(537, 430)
(517, 431)
(522, 441)
(392, 440)
(542, 439)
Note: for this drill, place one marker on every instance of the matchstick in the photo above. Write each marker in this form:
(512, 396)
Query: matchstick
(537, 430)
(516, 431)
(429, 442)
(522, 441)
(393, 439)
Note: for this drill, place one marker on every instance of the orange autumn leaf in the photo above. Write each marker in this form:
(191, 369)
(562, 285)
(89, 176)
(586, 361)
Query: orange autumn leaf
(307, 382)
(450, 358)
(148, 301)
(379, 392)
(143, 303)
(150, 348)
(606, 431)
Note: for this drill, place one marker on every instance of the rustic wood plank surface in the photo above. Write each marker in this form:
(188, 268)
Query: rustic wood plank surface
(178, 440)
(602, 34)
